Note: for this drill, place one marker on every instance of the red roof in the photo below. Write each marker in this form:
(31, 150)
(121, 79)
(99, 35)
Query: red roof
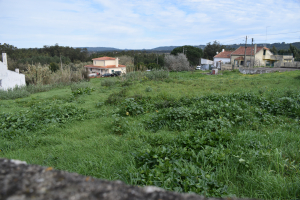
(104, 67)
(224, 54)
(249, 51)
(104, 58)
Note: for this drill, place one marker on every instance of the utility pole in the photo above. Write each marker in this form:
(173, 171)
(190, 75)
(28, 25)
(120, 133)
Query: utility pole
(156, 59)
(252, 51)
(267, 34)
(60, 62)
(245, 52)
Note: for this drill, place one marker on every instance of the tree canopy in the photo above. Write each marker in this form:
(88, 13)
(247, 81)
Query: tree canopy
(211, 50)
(193, 54)
(292, 50)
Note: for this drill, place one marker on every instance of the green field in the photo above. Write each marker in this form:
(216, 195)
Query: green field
(226, 135)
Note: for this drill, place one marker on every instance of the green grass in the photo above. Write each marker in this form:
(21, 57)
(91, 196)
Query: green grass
(247, 155)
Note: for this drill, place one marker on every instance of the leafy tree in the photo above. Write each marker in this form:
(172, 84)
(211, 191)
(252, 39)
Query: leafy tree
(193, 54)
(274, 50)
(211, 50)
(295, 52)
(54, 67)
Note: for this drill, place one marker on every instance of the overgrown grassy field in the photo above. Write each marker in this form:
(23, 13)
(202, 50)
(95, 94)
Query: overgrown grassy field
(226, 135)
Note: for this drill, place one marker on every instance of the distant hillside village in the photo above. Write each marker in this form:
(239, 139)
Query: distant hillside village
(41, 65)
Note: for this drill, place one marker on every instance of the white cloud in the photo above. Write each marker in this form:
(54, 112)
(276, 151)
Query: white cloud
(144, 23)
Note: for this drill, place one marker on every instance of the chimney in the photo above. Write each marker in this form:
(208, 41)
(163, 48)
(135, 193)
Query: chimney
(255, 48)
(223, 50)
(117, 62)
(4, 58)
(17, 71)
(217, 53)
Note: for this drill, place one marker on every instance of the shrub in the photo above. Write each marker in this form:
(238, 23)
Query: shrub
(130, 107)
(119, 124)
(39, 117)
(148, 89)
(148, 75)
(116, 97)
(15, 93)
(24, 91)
(177, 63)
(81, 88)
(108, 82)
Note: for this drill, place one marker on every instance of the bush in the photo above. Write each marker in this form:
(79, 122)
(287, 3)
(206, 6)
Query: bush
(130, 107)
(148, 75)
(15, 93)
(157, 74)
(108, 82)
(177, 63)
(53, 67)
(81, 88)
(39, 117)
(24, 91)
(116, 97)
(119, 124)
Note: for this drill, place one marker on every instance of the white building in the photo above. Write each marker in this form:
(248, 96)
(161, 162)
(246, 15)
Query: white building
(222, 57)
(205, 64)
(9, 79)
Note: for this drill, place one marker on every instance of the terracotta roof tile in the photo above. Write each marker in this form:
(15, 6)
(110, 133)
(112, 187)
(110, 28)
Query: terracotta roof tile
(249, 50)
(103, 67)
(104, 58)
(224, 54)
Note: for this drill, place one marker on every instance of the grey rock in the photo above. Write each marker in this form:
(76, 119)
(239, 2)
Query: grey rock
(19, 181)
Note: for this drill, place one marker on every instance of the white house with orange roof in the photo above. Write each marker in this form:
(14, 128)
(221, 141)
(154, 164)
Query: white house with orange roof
(104, 65)
(222, 57)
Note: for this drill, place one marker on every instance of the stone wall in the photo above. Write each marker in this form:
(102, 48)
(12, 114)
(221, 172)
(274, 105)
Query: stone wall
(287, 64)
(19, 181)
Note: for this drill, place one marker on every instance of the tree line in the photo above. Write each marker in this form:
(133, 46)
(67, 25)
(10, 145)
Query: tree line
(20, 58)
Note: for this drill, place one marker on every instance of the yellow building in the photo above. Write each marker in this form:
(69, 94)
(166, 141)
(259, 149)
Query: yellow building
(257, 56)
(104, 65)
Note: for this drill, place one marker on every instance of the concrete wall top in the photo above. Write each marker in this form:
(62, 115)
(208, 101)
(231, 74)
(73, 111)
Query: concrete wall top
(25, 182)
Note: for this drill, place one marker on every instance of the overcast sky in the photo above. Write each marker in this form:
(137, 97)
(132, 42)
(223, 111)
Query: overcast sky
(137, 24)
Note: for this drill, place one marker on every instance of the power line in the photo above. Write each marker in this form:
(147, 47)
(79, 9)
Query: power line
(232, 40)
(259, 35)
(278, 33)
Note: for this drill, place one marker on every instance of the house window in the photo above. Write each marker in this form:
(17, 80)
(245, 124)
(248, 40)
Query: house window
(91, 69)
(264, 52)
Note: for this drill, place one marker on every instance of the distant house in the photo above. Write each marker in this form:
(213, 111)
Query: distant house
(257, 56)
(206, 64)
(106, 65)
(9, 79)
(223, 57)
